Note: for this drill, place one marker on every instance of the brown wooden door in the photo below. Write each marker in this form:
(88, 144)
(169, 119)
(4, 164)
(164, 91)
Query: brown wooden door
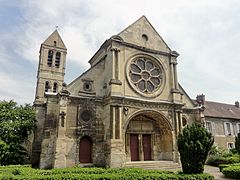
(134, 147)
(85, 150)
(146, 140)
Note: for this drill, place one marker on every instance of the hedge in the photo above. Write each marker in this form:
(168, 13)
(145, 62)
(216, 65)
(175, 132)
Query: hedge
(232, 171)
(217, 160)
(26, 172)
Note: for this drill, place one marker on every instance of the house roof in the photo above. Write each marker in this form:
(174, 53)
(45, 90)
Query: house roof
(221, 110)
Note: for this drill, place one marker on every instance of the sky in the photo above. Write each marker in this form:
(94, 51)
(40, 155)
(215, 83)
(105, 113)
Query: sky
(205, 33)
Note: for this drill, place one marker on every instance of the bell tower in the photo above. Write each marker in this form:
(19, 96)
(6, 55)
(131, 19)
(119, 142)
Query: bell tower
(51, 67)
(50, 77)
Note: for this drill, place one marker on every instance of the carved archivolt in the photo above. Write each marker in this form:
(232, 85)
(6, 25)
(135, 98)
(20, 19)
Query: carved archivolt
(164, 123)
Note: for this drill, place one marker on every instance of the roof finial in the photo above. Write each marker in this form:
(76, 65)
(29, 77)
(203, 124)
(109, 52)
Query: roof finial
(56, 27)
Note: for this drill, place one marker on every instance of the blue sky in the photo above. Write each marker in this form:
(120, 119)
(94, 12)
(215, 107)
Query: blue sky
(205, 33)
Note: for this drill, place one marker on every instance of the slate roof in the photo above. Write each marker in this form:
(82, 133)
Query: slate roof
(221, 110)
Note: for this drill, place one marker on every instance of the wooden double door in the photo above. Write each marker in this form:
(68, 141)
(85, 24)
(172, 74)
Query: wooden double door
(140, 147)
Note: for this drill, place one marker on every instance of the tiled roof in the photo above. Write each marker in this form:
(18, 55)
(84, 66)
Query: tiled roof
(215, 109)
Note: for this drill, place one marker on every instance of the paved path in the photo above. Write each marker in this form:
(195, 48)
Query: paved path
(215, 172)
(208, 169)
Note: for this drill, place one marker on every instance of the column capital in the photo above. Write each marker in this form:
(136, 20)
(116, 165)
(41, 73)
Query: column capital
(115, 49)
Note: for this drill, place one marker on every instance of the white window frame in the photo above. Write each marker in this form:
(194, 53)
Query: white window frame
(210, 125)
(228, 145)
(226, 131)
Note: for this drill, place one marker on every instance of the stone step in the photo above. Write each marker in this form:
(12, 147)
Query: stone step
(164, 165)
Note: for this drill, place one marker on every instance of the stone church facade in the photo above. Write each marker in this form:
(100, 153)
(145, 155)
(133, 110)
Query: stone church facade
(128, 106)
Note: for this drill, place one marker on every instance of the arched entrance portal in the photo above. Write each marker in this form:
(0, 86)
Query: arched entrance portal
(85, 150)
(149, 137)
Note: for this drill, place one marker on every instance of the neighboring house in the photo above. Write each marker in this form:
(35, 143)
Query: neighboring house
(222, 120)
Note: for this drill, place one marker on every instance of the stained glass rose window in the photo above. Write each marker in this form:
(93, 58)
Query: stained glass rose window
(145, 74)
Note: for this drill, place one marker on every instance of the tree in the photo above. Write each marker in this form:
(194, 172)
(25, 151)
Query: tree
(237, 143)
(16, 123)
(194, 143)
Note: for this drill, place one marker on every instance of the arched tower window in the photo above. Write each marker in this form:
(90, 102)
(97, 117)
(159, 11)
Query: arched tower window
(47, 86)
(50, 57)
(57, 60)
(55, 87)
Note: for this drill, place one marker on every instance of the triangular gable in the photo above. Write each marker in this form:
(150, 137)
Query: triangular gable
(55, 36)
(142, 33)
(186, 99)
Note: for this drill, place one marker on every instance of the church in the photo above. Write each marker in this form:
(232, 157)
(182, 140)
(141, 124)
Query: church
(128, 106)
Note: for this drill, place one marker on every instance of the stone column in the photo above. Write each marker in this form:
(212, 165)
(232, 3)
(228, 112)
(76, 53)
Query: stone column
(180, 120)
(120, 122)
(117, 150)
(61, 142)
(175, 75)
(172, 75)
(113, 122)
(113, 63)
(117, 71)
(115, 67)
(176, 154)
(176, 123)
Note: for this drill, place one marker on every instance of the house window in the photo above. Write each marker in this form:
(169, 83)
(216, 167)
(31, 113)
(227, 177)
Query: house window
(47, 86)
(50, 57)
(228, 128)
(55, 87)
(209, 126)
(57, 60)
(230, 145)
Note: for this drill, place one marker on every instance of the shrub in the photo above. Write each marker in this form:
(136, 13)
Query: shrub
(194, 143)
(237, 143)
(223, 159)
(221, 166)
(232, 171)
(25, 172)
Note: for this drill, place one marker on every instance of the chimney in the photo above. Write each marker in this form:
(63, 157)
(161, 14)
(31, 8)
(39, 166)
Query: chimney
(237, 104)
(200, 99)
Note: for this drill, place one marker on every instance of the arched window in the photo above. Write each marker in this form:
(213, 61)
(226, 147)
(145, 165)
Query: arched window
(50, 57)
(47, 86)
(57, 60)
(55, 87)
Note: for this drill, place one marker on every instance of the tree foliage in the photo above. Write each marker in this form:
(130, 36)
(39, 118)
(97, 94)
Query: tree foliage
(237, 143)
(194, 143)
(16, 123)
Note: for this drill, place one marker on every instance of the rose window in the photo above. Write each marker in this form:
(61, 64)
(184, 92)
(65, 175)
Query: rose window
(145, 74)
